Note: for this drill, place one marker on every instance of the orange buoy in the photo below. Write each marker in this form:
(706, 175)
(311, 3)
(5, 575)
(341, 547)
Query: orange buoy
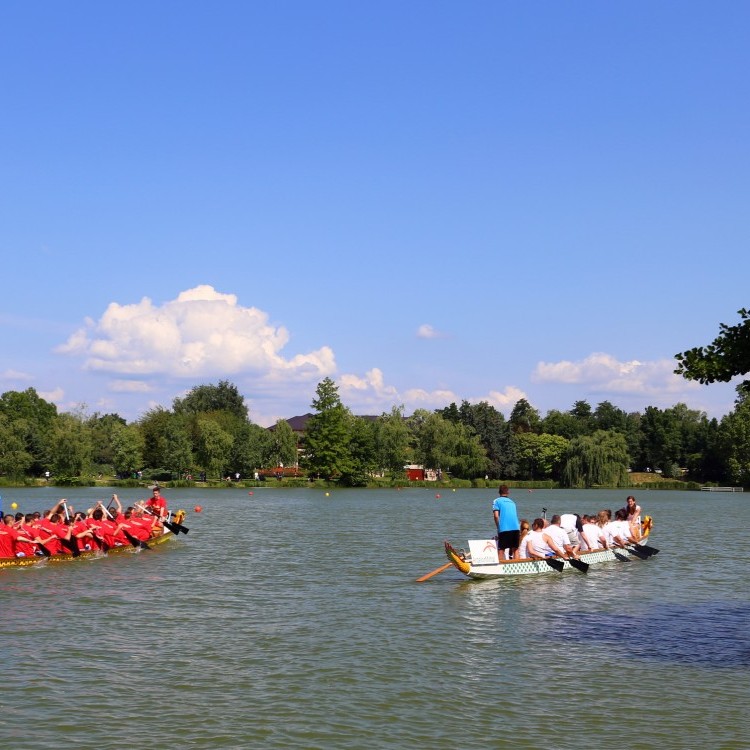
(198, 508)
(437, 495)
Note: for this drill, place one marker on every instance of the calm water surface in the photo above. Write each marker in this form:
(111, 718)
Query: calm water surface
(291, 619)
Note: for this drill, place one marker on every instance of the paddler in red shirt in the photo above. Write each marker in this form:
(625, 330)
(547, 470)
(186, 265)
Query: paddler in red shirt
(148, 521)
(50, 532)
(157, 504)
(9, 538)
(27, 531)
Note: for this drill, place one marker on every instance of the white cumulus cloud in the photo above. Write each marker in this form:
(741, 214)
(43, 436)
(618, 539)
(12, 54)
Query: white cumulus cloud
(201, 333)
(606, 373)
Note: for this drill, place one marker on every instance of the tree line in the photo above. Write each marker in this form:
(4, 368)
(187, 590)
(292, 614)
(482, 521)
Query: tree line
(208, 432)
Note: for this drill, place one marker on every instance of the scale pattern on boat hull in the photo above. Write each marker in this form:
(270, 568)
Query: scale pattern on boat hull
(524, 567)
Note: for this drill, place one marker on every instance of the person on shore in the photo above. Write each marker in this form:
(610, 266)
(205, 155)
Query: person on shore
(506, 520)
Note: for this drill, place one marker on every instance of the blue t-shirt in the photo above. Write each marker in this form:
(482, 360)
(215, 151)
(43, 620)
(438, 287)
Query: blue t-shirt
(508, 520)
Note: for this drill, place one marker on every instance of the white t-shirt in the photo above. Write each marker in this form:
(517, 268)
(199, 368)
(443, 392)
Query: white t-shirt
(522, 551)
(568, 521)
(559, 537)
(535, 540)
(591, 534)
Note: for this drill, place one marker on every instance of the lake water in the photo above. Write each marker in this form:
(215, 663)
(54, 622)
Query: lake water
(291, 619)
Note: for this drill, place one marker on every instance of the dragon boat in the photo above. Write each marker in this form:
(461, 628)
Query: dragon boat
(481, 560)
(171, 529)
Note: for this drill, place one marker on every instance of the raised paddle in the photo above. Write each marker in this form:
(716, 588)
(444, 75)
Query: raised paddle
(434, 572)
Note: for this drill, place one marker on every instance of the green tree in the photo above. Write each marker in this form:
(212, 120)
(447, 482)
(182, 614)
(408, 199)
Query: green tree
(561, 423)
(445, 445)
(176, 446)
(600, 459)
(70, 447)
(525, 418)
(209, 398)
(541, 456)
(392, 441)
(361, 450)
(607, 416)
(127, 449)
(728, 355)
(103, 429)
(15, 460)
(495, 435)
(252, 449)
(155, 425)
(38, 417)
(734, 444)
(283, 444)
(326, 445)
(214, 446)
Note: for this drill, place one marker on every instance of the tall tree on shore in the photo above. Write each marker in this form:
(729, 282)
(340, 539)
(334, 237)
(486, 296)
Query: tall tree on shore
(326, 450)
(207, 398)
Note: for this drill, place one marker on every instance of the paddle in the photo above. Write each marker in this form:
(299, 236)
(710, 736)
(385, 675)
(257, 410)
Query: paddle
(579, 564)
(135, 542)
(434, 572)
(173, 526)
(648, 550)
(557, 565)
(620, 556)
(638, 553)
(70, 544)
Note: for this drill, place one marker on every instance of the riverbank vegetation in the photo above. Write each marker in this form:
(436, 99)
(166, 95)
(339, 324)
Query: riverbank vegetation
(207, 437)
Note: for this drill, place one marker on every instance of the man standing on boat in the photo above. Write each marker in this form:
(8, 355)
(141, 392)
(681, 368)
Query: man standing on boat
(506, 519)
(156, 504)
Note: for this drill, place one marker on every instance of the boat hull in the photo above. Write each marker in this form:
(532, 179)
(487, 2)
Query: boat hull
(27, 562)
(463, 563)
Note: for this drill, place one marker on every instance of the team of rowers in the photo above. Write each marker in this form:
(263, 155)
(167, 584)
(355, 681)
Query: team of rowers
(63, 531)
(569, 534)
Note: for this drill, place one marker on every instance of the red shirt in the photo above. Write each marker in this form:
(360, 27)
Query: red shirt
(158, 504)
(28, 548)
(50, 534)
(8, 536)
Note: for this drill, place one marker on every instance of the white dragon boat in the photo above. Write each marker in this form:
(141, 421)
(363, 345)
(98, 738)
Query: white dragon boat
(481, 559)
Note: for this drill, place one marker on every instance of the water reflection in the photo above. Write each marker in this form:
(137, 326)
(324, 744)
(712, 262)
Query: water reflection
(707, 634)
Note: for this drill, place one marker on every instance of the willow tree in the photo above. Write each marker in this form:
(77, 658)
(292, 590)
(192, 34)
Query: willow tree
(600, 459)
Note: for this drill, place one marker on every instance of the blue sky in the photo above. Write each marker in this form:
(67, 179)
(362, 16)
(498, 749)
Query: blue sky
(426, 201)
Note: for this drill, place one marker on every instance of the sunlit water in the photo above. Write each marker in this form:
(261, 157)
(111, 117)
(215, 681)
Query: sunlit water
(291, 619)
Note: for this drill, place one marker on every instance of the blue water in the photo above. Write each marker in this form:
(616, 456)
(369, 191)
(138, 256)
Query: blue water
(291, 619)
